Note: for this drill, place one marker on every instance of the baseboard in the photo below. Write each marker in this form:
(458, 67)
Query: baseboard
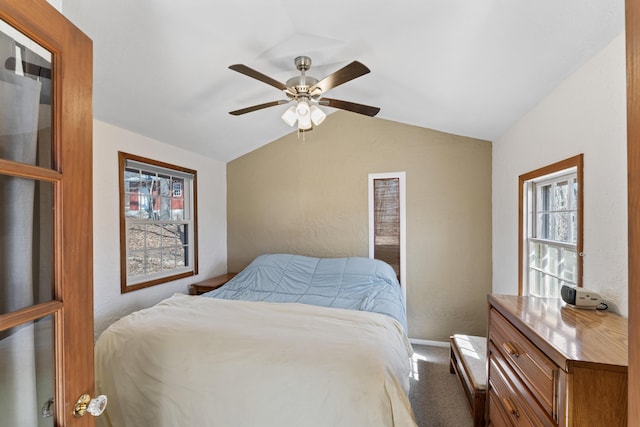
(428, 342)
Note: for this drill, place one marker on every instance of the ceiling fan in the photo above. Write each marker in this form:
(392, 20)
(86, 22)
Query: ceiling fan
(306, 92)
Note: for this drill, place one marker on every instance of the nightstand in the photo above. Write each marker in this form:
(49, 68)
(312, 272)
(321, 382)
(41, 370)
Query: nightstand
(210, 284)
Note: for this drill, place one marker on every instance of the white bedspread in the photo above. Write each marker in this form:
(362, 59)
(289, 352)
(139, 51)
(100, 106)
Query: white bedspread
(195, 361)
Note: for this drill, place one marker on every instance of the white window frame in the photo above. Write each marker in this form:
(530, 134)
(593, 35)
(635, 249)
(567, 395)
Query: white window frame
(530, 183)
(401, 176)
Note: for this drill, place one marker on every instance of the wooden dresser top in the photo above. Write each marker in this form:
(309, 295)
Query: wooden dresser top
(568, 335)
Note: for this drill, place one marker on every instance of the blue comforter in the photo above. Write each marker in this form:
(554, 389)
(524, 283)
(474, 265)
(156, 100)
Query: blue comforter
(351, 283)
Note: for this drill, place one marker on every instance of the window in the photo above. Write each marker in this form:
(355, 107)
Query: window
(387, 221)
(177, 188)
(158, 241)
(550, 228)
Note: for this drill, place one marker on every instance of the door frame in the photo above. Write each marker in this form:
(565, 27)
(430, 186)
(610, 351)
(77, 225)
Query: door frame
(632, 17)
(72, 123)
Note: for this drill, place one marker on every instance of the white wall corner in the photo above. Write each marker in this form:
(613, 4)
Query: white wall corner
(57, 4)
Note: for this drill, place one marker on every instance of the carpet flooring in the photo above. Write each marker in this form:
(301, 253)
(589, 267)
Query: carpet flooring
(436, 395)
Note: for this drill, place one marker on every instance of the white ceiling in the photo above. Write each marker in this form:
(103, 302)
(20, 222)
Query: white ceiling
(469, 67)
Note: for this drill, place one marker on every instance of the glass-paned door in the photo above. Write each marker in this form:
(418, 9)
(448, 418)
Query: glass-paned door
(26, 230)
(46, 299)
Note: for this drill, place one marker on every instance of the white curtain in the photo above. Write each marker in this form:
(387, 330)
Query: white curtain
(20, 101)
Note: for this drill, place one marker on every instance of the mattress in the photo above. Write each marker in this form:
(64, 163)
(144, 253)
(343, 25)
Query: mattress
(195, 361)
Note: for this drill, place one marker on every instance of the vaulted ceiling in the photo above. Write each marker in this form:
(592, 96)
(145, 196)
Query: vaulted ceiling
(469, 67)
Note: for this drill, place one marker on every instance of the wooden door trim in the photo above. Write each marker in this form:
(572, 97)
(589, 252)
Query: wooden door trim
(28, 171)
(18, 317)
(632, 17)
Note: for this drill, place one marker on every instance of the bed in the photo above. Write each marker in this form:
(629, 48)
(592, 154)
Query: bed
(290, 341)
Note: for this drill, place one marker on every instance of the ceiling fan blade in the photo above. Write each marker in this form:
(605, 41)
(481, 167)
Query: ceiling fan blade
(343, 75)
(243, 69)
(367, 110)
(257, 107)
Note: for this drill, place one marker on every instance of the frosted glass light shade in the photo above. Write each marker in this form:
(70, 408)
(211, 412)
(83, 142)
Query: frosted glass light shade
(305, 115)
(302, 109)
(317, 115)
(290, 117)
(304, 122)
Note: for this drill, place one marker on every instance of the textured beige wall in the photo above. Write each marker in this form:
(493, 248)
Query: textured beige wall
(310, 197)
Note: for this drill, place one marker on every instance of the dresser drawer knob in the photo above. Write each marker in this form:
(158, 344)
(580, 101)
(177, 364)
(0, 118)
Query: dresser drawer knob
(510, 407)
(511, 349)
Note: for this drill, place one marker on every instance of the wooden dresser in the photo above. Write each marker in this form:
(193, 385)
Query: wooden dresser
(553, 365)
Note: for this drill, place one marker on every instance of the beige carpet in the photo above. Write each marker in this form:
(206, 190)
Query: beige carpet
(436, 395)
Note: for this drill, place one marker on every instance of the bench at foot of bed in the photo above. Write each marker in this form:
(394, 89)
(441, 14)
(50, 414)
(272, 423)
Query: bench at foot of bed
(468, 362)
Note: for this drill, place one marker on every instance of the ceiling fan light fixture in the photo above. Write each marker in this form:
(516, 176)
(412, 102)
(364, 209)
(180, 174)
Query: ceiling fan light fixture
(305, 90)
(302, 110)
(304, 122)
(317, 115)
(290, 117)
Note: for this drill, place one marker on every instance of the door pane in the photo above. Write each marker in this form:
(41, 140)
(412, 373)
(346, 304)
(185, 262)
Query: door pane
(26, 243)
(26, 374)
(25, 94)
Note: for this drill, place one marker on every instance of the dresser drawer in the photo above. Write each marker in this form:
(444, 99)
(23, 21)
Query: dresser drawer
(535, 369)
(510, 403)
(498, 416)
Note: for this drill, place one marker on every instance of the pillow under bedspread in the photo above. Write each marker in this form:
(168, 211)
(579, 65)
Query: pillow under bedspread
(354, 283)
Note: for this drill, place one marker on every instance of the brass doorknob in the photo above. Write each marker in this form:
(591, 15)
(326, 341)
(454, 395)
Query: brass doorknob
(93, 406)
